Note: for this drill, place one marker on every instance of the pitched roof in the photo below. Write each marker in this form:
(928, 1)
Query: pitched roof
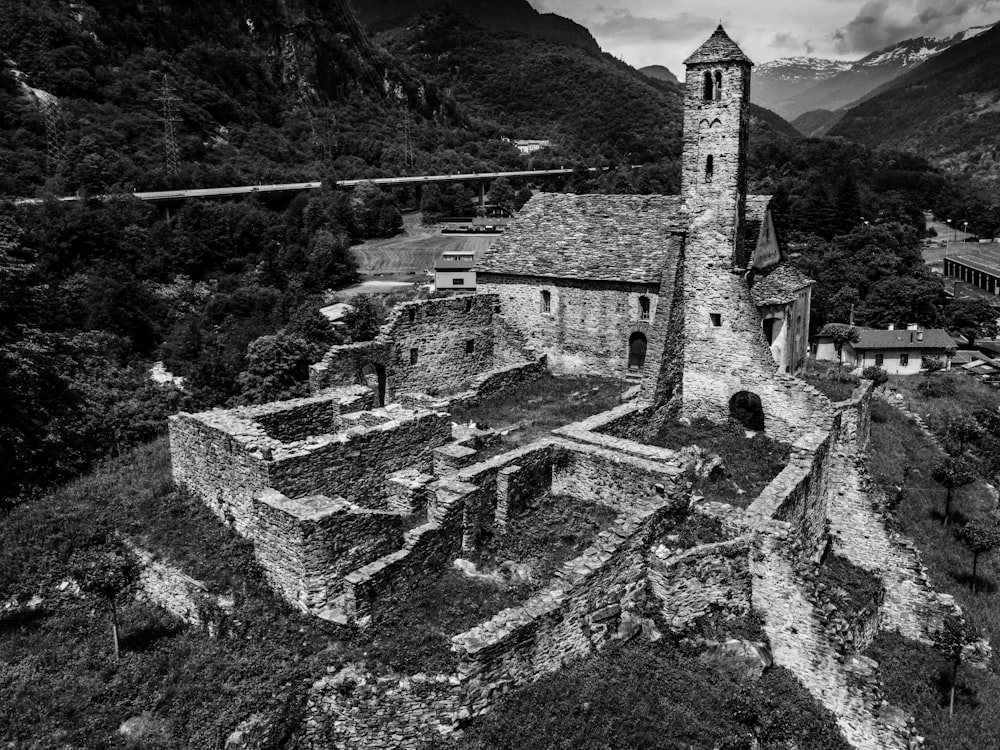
(934, 338)
(718, 48)
(594, 237)
(780, 286)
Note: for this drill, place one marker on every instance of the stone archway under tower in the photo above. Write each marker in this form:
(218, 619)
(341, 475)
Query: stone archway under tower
(746, 408)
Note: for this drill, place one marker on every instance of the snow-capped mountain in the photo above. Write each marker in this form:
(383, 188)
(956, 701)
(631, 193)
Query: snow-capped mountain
(793, 85)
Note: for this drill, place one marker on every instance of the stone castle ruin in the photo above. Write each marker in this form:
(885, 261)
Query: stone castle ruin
(367, 487)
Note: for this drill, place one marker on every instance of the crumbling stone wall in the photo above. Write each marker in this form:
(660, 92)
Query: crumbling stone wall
(355, 464)
(611, 478)
(222, 470)
(306, 546)
(688, 584)
(595, 599)
(589, 323)
(222, 455)
(429, 346)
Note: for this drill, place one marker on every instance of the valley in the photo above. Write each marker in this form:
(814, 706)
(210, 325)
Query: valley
(644, 486)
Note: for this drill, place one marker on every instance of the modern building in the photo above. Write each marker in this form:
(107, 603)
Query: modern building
(455, 270)
(975, 272)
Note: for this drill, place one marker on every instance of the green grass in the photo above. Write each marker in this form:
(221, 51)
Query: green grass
(412, 627)
(655, 697)
(964, 394)
(915, 678)
(854, 590)
(912, 672)
(823, 377)
(749, 464)
(551, 531)
(60, 685)
(533, 410)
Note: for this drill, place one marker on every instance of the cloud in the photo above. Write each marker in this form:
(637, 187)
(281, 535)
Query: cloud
(881, 23)
(785, 41)
(623, 26)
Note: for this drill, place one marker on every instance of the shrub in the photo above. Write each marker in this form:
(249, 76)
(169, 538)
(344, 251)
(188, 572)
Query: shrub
(876, 374)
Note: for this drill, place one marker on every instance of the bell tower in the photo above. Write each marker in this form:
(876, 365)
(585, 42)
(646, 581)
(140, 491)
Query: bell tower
(716, 123)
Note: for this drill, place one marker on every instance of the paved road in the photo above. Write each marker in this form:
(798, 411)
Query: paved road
(948, 242)
(222, 192)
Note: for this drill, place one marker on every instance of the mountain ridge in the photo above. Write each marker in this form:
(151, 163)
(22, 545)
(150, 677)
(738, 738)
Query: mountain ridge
(947, 109)
(498, 15)
(795, 85)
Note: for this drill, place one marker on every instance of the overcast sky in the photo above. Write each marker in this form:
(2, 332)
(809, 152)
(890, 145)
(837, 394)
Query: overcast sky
(664, 32)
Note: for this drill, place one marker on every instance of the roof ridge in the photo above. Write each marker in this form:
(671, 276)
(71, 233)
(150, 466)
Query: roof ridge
(718, 48)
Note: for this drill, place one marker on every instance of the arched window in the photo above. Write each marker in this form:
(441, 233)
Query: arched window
(644, 308)
(708, 87)
(546, 301)
(709, 168)
(718, 85)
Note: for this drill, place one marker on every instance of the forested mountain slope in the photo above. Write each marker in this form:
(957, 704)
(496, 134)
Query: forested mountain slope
(265, 90)
(495, 15)
(947, 109)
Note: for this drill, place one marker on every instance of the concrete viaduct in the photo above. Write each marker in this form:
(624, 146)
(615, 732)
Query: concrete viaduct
(168, 197)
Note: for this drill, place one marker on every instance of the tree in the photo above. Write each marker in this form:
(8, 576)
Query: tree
(502, 196)
(932, 365)
(981, 539)
(364, 321)
(963, 429)
(109, 571)
(953, 640)
(973, 318)
(951, 474)
(277, 369)
(875, 374)
(842, 335)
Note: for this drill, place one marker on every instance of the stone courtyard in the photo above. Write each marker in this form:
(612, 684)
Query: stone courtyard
(367, 489)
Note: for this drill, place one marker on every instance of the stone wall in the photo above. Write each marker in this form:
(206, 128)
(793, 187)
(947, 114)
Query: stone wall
(288, 421)
(355, 464)
(611, 478)
(588, 326)
(711, 578)
(222, 470)
(306, 546)
(430, 346)
(425, 552)
(595, 599)
(799, 494)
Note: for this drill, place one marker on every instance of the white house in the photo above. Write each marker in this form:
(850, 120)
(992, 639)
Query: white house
(897, 352)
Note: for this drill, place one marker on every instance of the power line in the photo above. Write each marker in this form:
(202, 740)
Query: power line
(55, 137)
(172, 149)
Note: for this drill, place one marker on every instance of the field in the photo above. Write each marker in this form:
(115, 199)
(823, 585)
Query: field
(414, 251)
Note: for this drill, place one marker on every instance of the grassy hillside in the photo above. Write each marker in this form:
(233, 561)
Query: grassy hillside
(915, 674)
(62, 688)
(947, 109)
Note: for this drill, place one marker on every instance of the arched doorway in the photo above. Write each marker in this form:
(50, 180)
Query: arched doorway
(636, 351)
(373, 376)
(769, 330)
(745, 408)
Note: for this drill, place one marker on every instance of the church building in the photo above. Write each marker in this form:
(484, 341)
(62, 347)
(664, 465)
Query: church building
(614, 284)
